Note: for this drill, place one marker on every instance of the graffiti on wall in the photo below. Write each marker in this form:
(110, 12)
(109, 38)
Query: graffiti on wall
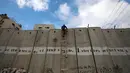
(103, 69)
(69, 50)
(12, 70)
(91, 69)
(49, 70)
(82, 69)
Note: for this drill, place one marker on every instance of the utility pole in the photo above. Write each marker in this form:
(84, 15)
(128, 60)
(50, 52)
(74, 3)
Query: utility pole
(114, 26)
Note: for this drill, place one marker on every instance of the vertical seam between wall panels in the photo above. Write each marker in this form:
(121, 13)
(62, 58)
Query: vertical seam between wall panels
(92, 50)
(107, 47)
(14, 60)
(6, 46)
(97, 36)
(76, 51)
(61, 51)
(53, 57)
(32, 52)
(46, 51)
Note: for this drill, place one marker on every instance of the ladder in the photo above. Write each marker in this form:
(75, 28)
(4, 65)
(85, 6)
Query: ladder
(64, 56)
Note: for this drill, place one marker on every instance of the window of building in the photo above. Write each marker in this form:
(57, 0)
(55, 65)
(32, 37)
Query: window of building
(13, 24)
(47, 27)
(17, 28)
(40, 27)
(1, 22)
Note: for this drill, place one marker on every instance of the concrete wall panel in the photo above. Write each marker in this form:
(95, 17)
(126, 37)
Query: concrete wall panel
(27, 44)
(85, 59)
(38, 57)
(1, 30)
(4, 39)
(5, 36)
(121, 60)
(52, 58)
(61, 60)
(124, 35)
(102, 59)
(70, 56)
(12, 46)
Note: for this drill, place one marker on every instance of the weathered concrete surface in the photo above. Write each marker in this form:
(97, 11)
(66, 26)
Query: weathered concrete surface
(70, 63)
(123, 35)
(1, 30)
(52, 60)
(14, 42)
(120, 62)
(38, 60)
(81, 50)
(99, 44)
(4, 41)
(85, 62)
(23, 60)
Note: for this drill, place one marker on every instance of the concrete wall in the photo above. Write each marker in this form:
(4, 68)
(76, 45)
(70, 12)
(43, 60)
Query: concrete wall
(81, 50)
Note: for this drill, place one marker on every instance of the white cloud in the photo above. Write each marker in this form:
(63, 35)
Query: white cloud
(21, 3)
(95, 12)
(124, 25)
(37, 5)
(63, 12)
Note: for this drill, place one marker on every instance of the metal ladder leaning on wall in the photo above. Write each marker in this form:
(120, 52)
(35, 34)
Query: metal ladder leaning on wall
(63, 54)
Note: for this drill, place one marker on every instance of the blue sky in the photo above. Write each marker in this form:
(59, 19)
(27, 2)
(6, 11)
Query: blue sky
(73, 13)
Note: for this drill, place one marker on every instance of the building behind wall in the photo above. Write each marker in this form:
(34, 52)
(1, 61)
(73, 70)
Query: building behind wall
(6, 22)
(43, 26)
